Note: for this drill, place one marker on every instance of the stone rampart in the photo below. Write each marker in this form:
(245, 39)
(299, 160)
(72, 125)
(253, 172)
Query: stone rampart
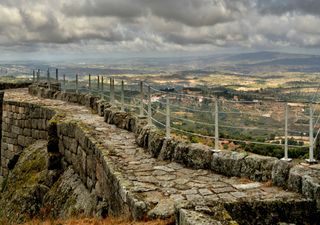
(68, 144)
(299, 178)
(71, 142)
(22, 125)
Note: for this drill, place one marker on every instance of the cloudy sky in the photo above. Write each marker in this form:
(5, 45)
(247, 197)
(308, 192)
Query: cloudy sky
(37, 28)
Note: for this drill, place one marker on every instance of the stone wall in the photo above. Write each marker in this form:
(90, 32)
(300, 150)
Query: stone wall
(255, 167)
(1, 112)
(300, 178)
(69, 143)
(4, 85)
(22, 125)
(96, 169)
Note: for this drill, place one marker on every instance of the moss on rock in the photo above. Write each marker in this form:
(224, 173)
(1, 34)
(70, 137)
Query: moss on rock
(32, 190)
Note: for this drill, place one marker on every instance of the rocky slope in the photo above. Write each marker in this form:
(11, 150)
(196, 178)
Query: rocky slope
(31, 190)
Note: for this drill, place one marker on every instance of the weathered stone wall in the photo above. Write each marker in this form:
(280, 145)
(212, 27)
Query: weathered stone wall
(95, 169)
(72, 143)
(199, 156)
(1, 112)
(22, 125)
(302, 179)
(4, 86)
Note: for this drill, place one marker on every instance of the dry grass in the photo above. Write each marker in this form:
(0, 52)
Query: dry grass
(108, 221)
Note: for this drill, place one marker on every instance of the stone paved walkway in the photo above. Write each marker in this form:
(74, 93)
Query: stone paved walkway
(160, 183)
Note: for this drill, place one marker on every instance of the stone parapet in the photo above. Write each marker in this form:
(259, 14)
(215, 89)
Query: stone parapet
(22, 125)
(97, 171)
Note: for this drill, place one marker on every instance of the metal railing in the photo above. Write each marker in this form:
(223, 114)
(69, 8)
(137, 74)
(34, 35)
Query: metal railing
(207, 117)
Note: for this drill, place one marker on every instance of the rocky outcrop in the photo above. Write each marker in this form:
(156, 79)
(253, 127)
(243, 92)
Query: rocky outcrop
(32, 190)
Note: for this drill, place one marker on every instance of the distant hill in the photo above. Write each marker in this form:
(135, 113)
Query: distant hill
(244, 63)
(263, 56)
(264, 61)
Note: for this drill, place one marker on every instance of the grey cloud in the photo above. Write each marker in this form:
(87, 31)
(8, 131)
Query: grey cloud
(284, 6)
(116, 8)
(157, 25)
(189, 12)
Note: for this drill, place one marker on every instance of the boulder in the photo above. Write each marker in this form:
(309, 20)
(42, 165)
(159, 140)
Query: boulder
(280, 173)
(228, 163)
(257, 167)
(155, 141)
(193, 155)
(167, 150)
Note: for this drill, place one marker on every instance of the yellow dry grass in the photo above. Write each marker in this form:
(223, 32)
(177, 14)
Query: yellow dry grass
(90, 221)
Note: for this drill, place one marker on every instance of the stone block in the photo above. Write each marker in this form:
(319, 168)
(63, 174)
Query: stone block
(155, 141)
(35, 134)
(257, 167)
(16, 130)
(91, 167)
(67, 129)
(6, 134)
(21, 140)
(43, 134)
(20, 116)
(142, 137)
(280, 173)
(193, 155)
(21, 110)
(35, 113)
(13, 108)
(167, 150)
(68, 156)
(34, 124)
(228, 163)
(80, 136)
(4, 147)
(28, 123)
(27, 132)
(191, 217)
(10, 147)
(82, 157)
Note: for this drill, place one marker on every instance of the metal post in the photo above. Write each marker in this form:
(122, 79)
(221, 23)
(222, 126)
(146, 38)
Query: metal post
(111, 90)
(286, 157)
(149, 106)
(122, 96)
(64, 83)
(102, 83)
(110, 85)
(48, 79)
(168, 118)
(102, 88)
(98, 82)
(38, 76)
(89, 83)
(141, 99)
(216, 128)
(311, 156)
(57, 75)
(77, 87)
(33, 76)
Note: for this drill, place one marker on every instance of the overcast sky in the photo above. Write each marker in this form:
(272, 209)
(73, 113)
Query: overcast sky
(37, 28)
